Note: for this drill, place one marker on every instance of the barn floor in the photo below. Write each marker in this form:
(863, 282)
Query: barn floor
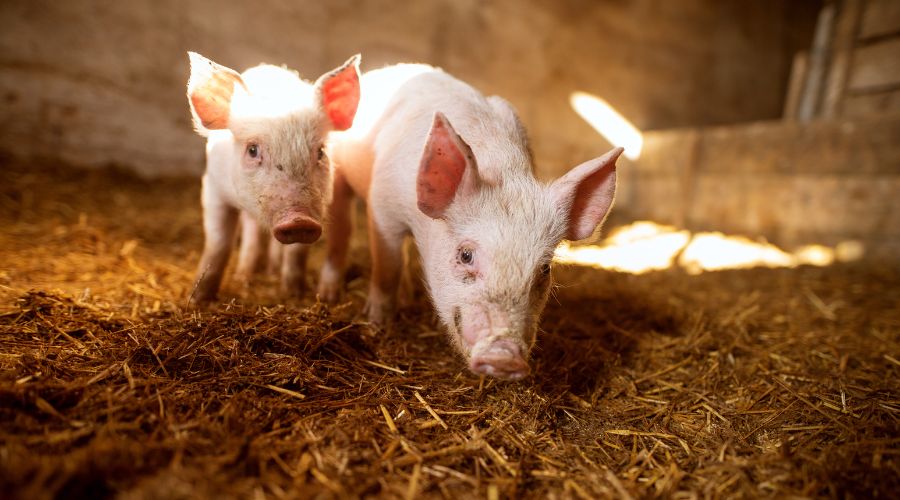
(733, 384)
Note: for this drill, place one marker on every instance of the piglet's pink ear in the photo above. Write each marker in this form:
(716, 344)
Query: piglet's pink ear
(447, 169)
(587, 191)
(339, 93)
(210, 89)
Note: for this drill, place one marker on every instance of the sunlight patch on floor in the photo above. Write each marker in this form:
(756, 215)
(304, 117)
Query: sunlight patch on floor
(646, 246)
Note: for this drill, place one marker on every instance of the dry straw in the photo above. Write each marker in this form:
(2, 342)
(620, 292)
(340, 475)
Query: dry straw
(735, 384)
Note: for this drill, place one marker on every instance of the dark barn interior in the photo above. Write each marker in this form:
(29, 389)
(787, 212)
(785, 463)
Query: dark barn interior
(733, 331)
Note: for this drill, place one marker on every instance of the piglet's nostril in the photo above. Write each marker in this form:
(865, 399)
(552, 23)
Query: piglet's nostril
(298, 229)
(502, 359)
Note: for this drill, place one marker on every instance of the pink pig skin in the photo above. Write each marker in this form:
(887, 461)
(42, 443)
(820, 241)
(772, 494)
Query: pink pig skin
(265, 163)
(435, 159)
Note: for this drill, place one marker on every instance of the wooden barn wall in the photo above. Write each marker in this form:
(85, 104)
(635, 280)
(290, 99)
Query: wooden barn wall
(99, 82)
(873, 79)
(826, 178)
(819, 183)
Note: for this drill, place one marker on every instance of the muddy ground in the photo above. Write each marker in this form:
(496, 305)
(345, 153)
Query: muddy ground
(727, 384)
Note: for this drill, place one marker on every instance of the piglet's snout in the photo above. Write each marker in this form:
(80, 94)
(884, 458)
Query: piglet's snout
(297, 228)
(501, 358)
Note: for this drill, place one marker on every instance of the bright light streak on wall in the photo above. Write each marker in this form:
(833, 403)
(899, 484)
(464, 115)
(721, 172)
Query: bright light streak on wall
(645, 246)
(608, 122)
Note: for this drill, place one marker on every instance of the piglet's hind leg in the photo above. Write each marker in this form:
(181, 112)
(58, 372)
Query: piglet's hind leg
(340, 226)
(386, 246)
(293, 269)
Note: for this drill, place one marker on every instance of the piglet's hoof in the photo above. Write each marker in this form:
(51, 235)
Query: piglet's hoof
(243, 282)
(201, 296)
(379, 315)
(329, 289)
(328, 293)
(294, 286)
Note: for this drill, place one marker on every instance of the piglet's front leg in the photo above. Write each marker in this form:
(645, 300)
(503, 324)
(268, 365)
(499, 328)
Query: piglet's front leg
(253, 243)
(219, 225)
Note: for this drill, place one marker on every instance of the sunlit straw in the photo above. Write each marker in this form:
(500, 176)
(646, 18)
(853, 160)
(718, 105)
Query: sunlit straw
(646, 246)
(636, 249)
(714, 251)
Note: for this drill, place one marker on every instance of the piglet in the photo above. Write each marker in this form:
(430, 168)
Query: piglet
(265, 162)
(436, 159)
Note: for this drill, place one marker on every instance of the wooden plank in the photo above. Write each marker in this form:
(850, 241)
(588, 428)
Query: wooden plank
(795, 85)
(842, 44)
(881, 17)
(872, 104)
(876, 66)
(811, 96)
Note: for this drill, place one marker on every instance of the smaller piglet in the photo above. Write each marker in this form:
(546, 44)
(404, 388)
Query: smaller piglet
(265, 162)
(436, 159)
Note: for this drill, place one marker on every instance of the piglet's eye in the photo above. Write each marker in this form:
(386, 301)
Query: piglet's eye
(253, 151)
(466, 256)
(545, 269)
(322, 153)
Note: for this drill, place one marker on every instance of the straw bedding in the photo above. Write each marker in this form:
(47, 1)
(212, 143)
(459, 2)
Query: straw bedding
(728, 384)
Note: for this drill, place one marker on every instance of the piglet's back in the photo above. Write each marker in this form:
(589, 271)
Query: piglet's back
(488, 125)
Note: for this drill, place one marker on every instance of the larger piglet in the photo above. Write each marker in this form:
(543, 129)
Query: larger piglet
(265, 161)
(435, 158)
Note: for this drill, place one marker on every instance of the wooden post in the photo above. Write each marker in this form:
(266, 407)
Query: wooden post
(843, 43)
(799, 68)
(818, 65)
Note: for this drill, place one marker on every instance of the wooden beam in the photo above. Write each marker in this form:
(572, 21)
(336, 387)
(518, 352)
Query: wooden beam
(818, 64)
(843, 42)
(881, 17)
(876, 67)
